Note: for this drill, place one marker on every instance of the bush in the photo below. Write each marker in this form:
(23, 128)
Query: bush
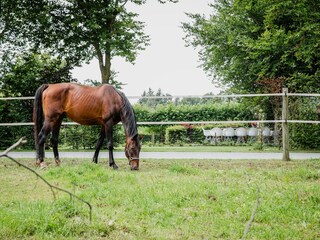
(302, 135)
(176, 134)
(200, 112)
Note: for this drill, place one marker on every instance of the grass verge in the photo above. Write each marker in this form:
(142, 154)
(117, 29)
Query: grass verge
(165, 199)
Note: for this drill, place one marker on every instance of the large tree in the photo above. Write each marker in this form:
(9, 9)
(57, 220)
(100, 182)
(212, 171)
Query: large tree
(76, 30)
(244, 42)
(21, 79)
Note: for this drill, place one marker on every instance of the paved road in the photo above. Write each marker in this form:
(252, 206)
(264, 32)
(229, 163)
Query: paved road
(177, 155)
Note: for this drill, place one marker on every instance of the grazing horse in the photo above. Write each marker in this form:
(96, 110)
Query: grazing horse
(103, 105)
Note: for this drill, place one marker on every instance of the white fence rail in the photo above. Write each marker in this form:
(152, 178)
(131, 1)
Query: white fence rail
(284, 121)
(198, 96)
(192, 96)
(181, 122)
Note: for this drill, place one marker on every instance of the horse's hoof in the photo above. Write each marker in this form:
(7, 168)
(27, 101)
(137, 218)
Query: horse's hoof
(43, 165)
(58, 162)
(115, 167)
(38, 163)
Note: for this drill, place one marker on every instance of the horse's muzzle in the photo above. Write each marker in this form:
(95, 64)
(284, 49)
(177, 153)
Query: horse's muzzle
(134, 164)
(134, 168)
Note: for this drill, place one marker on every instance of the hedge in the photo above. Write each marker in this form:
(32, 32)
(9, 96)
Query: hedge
(303, 136)
(201, 112)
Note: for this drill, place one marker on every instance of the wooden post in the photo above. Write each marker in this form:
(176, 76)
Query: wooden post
(152, 137)
(285, 128)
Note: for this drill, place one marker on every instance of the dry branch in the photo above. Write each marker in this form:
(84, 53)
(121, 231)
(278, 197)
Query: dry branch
(22, 141)
(246, 231)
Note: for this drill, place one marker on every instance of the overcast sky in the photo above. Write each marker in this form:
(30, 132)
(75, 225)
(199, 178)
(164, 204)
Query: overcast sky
(166, 64)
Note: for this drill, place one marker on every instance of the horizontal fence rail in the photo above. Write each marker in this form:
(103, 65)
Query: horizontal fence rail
(284, 121)
(283, 94)
(183, 122)
(16, 98)
(197, 96)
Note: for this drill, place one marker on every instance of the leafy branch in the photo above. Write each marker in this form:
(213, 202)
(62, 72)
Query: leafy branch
(52, 187)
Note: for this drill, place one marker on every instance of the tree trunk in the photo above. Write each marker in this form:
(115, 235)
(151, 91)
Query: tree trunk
(104, 64)
(106, 69)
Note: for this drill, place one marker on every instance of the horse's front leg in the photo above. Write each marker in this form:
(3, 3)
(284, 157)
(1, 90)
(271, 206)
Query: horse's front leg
(110, 148)
(99, 144)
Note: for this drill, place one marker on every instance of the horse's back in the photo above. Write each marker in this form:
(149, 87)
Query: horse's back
(83, 104)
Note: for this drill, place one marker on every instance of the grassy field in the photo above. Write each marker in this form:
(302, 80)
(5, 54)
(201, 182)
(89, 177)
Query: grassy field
(165, 199)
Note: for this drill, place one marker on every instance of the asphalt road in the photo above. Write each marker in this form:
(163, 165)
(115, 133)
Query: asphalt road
(177, 155)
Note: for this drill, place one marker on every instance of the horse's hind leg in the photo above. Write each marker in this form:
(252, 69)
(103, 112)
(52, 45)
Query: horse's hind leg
(102, 136)
(54, 140)
(42, 139)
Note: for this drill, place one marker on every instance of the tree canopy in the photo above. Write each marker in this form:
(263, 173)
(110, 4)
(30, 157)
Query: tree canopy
(244, 42)
(76, 30)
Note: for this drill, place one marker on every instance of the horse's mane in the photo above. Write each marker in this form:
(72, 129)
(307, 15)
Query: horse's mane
(128, 117)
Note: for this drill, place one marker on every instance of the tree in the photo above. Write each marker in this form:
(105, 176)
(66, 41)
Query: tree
(76, 30)
(21, 79)
(261, 46)
(205, 99)
(157, 100)
(246, 41)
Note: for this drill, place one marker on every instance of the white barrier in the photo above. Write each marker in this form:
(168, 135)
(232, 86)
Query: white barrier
(284, 121)
(181, 123)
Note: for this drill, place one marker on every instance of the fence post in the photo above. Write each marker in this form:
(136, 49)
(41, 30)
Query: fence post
(285, 128)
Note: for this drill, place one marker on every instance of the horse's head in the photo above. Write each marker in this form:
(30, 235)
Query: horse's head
(132, 151)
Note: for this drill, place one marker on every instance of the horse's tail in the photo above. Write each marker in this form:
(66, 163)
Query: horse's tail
(38, 112)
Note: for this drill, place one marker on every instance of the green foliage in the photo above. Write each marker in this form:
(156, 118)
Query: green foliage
(243, 41)
(183, 134)
(176, 134)
(79, 137)
(75, 30)
(304, 136)
(22, 77)
(28, 71)
(201, 112)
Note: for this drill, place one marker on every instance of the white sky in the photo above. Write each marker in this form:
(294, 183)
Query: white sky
(166, 63)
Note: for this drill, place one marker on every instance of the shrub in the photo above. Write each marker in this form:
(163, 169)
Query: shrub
(176, 134)
(302, 135)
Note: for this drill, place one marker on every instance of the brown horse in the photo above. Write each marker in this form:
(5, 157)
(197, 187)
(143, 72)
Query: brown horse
(102, 105)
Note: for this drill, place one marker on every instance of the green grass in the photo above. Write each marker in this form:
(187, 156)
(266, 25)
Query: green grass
(195, 148)
(165, 199)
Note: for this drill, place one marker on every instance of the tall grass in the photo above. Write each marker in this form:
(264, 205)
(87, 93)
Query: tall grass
(166, 199)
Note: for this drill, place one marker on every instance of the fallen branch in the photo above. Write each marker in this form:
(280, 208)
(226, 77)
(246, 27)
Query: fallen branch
(246, 231)
(17, 144)
(22, 141)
